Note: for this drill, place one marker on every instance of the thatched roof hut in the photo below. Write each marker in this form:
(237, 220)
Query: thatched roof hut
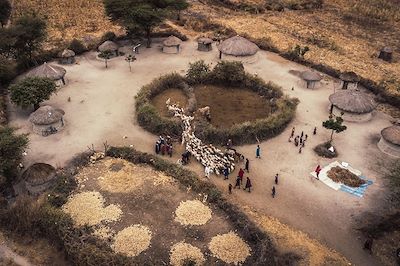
(390, 140)
(204, 44)
(386, 54)
(311, 78)
(237, 46)
(171, 45)
(45, 70)
(109, 46)
(67, 57)
(47, 118)
(38, 177)
(355, 105)
(349, 78)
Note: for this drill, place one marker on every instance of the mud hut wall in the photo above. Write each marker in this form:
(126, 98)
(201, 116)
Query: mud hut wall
(39, 129)
(244, 59)
(36, 190)
(67, 60)
(350, 85)
(204, 47)
(352, 117)
(171, 49)
(389, 148)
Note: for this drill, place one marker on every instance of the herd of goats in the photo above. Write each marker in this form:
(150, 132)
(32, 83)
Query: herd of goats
(208, 155)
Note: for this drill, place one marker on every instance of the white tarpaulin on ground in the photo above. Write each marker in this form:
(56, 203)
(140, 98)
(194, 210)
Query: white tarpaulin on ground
(323, 175)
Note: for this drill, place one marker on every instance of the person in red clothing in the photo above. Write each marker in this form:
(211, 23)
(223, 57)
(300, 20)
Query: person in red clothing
(240, 175)
(317, 170)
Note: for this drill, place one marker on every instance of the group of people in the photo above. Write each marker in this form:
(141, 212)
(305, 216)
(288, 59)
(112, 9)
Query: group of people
(300, 140)
(163, 146)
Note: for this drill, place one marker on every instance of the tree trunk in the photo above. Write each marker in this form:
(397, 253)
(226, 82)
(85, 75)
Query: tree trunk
(105, 60)
(179, 16)
(331, 136)
(148, 32)
(130, 68)
(36, 106)
(345, 85)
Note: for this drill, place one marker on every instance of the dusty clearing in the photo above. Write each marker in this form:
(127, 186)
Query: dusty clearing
(177, 96)
(102, 109)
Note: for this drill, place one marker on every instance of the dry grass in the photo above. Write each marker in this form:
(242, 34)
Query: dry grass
(87, 208)
(192, 212)
(181, 252)
(68, 19)
(286, 238)
(132, 240)
(340, 175)
(104, 232)
(229, 248)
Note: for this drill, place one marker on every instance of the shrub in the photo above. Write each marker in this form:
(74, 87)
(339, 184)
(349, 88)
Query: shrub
(297, 53)
(198, 72)
(7, 70)
(77, 46)
(108, 36)
(228, 73)
(322, 150)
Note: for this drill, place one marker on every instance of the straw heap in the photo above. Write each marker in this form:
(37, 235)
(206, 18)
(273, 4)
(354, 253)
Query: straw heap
(229, 248)
(181, 252)
(192, 212)
(88, 208)
(132, 240)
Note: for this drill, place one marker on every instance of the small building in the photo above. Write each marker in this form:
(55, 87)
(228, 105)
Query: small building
(172, 45)
(355, 105)
(311, 78)
(349, 80)
(386, 54)
(67, 57)
(390, 141)
(238, 48)
(204, 44)
(38, 177)
(50, 71)
(109, 46)
(47, 120)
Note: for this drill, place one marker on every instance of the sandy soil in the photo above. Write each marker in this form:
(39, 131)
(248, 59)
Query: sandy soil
(102, 109)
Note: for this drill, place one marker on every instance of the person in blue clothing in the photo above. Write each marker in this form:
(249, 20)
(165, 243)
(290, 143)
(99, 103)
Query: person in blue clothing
(258, 152)
(226, 173)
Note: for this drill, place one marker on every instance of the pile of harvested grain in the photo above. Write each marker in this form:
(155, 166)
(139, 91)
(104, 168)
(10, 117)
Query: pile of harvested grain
(192, 212)
(229, 248)
(132, 240)
(88, 208)
(344, 176)
(123, 180)
(182, 252)
(103, 232)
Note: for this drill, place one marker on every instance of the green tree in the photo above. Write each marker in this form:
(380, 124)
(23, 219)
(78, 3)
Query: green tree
(178, 5)
(106, 55)
(197, 72)
(32, 91)
(334, 124)
(130, 58)
(11, 149)
(7, 70)
(5, 12)
(29, 33)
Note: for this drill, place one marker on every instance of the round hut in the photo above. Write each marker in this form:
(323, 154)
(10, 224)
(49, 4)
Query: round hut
(171, 45)
(109, 46)
(47, 120)
(356, 106)
(38, 177)
(311, 78)
(390, 141)
(204, 44)
(386, 54)
(45, 70)
(349, 80)
(238, 48)
(67, 57)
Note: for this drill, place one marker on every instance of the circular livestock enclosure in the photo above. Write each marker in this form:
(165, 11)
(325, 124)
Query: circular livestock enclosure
(226, 102)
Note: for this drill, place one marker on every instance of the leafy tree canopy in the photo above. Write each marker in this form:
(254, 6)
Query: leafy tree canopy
(334, 124)
(5, 12)
(32, 91)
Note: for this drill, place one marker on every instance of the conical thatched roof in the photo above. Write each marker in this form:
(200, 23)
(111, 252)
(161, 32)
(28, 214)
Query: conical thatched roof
(204, 40)
(310, 76)
(46, 115)
(349, 77)
(67, 53)
(39, 173)
(238, 46)
(108, 46)
(172, 41)
(392, 134)
(47, 71)
(353, 101)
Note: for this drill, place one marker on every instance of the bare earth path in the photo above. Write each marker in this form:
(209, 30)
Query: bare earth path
(102, 109)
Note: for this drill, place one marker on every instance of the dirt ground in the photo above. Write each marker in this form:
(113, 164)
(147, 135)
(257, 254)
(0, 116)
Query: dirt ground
(152, 204)
(177, 96)
(102, 109)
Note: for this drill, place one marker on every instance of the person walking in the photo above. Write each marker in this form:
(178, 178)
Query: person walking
(258, 152)
(276, 179)
(318, 170)
(230, 188)
(247, 165)
(292, 134)
(226, 173)
(315, 131)
(273, 192)
(248, 184)
(238, 181)
(240, 175)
